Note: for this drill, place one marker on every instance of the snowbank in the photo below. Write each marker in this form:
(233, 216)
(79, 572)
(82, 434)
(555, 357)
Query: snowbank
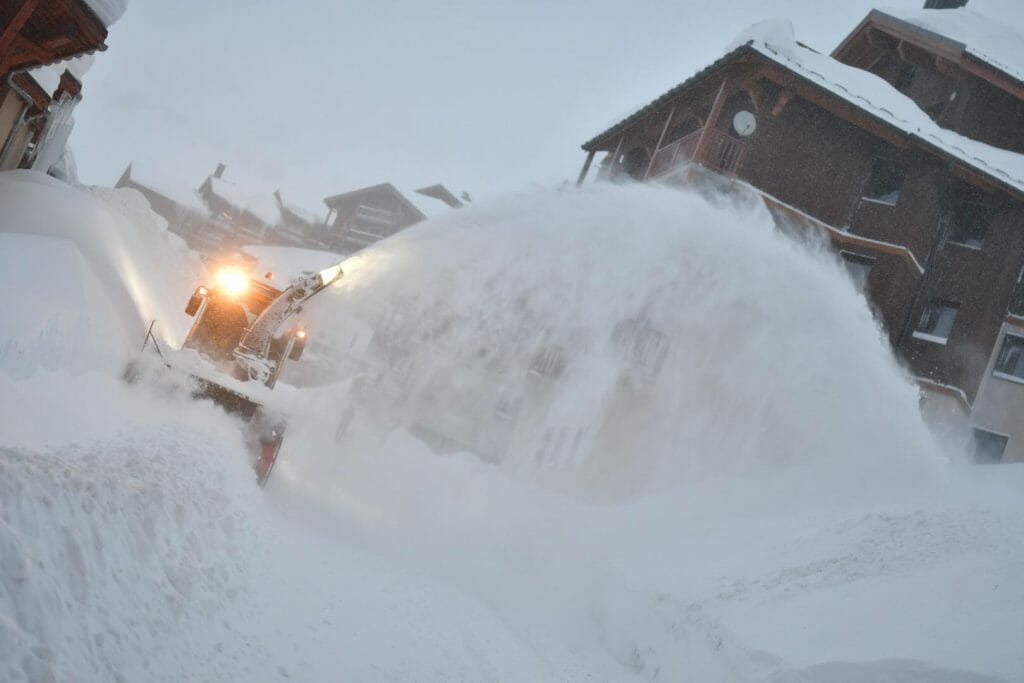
(779, 512)
(146, 272)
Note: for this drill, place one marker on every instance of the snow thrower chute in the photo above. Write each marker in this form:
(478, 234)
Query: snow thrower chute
(242, 336)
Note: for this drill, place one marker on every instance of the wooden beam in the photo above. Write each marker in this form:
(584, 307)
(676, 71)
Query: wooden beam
(661, 138)
(23, 45)
(716, 109)
(19, 19)
(12, 30)
(783, 99)
(586, 167)
(614, 158)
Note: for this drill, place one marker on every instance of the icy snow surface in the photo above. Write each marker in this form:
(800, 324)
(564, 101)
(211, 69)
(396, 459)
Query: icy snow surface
(751, 497)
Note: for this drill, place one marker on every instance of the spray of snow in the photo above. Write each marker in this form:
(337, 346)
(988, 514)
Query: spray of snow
(622, 340)
(774, 512)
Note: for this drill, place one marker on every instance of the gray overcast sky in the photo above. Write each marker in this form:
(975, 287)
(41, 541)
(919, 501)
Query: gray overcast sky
(319, 97)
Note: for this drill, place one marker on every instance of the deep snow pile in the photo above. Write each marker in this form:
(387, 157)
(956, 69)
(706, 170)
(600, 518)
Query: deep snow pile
(573, 338)
(777, 511)
(145, 272)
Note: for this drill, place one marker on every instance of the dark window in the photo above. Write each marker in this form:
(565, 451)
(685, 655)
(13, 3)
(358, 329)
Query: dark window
(970, 221)
(1011, 357)
(935, 110)
(989, 447)
(859, 267)
(905, 77)
(634, 163)
(937, 321)
(681, 130)
(549, 361)
(886, 181)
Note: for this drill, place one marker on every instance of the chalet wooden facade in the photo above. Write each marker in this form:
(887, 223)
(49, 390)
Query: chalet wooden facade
(362, 217)
(892, 168)
(33, 35)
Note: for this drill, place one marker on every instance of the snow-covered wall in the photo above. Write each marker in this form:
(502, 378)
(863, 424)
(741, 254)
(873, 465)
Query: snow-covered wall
(145, 272)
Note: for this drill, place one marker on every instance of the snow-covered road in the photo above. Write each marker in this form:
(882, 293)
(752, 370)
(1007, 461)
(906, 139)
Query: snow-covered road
(738, 537)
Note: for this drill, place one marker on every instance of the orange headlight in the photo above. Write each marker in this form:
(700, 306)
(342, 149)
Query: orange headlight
(232, 281)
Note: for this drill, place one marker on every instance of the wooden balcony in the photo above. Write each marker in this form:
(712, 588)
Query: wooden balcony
(718, 151)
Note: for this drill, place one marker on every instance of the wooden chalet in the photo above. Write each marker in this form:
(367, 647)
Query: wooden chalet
(923, 207)
(38, 32)
(362, 217)
(183, 209)
(34, 34)
(249, 216)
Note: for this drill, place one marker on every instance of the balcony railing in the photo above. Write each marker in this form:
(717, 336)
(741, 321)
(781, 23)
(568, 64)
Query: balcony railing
(721, 152)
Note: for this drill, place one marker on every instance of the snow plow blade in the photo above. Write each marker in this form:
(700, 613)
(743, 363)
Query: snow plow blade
(264, 434)
(263, 431)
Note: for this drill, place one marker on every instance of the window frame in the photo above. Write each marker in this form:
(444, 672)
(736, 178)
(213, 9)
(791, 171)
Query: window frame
(924, 335)
(975, 431)
(987, 206)
(901, 174)
(1003, 350)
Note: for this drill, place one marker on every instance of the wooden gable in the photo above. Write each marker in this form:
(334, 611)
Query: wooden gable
(37, 32)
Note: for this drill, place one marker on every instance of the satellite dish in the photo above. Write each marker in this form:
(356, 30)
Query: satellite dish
(744, 123)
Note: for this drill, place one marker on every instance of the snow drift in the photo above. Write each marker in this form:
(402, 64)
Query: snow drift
(145, 272)
(626, 339)
(771, 508)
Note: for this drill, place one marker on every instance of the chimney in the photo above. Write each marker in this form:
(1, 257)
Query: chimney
(220, 171)
(944, 4)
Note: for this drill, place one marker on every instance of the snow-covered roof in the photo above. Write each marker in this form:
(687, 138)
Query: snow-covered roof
(875, 96)
(108, 11)
(301, 212)
(166, 185)
(985, 38)
(774, 40)
(261, 205)
(48, 77)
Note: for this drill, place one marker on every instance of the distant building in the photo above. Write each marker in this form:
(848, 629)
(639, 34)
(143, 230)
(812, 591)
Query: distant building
(359, 218)
(184, 210)
(38, 90)
(250, 216)
(221, 216)
(297, 227)
(905, 148)
(362, 217)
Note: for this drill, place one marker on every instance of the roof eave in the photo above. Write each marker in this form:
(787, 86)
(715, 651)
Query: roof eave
(595, 143)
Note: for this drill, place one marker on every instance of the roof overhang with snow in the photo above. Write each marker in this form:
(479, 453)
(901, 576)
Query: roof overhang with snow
(979, 45)
(38, 32)
(849, 93)
(347, 198)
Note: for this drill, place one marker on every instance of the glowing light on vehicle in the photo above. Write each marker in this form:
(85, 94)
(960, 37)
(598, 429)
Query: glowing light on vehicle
(301, 334)
(203, 291)
(232, 281)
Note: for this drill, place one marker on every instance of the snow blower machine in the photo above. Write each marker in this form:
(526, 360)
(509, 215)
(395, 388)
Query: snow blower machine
(244, 333)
